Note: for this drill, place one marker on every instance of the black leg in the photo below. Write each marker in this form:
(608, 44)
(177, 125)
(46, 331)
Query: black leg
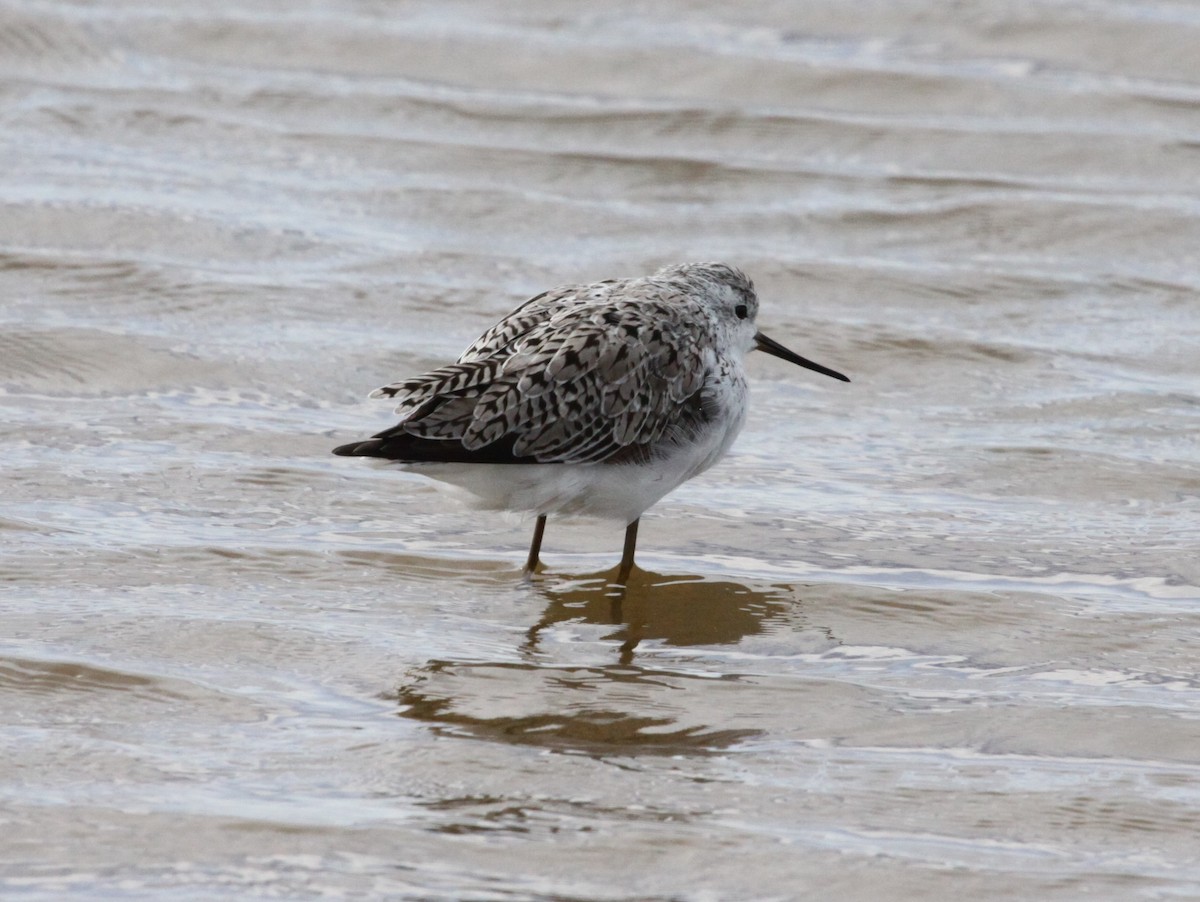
(538, 531)
(627, 554)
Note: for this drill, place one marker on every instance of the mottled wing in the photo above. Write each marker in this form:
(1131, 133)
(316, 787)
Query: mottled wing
(480, 363)
(500, 339)
(595, 381)
(587, 380)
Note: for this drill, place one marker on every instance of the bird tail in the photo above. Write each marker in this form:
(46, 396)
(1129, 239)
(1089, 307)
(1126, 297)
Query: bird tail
(402, 447)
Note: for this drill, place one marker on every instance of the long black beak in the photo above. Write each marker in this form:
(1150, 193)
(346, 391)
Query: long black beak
(775, 349)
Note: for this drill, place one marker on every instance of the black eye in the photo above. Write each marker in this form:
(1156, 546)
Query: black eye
(742, 311)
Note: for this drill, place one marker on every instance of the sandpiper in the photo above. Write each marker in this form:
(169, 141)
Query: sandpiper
(592, 400)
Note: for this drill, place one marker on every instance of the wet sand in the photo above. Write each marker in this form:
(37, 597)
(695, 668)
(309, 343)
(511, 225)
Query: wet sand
(931, 635)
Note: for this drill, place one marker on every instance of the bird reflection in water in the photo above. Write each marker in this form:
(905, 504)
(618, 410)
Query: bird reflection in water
(678, 610)
(622, 708)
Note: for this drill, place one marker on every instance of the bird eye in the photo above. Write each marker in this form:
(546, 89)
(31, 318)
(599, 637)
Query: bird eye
(742, 311)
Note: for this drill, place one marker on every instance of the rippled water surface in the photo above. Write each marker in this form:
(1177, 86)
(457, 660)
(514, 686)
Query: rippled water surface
(930, 635)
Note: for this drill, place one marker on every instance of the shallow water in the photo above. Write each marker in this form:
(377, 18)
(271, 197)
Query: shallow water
(930, 635)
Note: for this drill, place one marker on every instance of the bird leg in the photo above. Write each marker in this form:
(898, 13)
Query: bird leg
(538, 530)
(627, 555)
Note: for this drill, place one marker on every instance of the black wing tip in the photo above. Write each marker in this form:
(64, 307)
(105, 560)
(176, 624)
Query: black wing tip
(369, 448)
(395, 444)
